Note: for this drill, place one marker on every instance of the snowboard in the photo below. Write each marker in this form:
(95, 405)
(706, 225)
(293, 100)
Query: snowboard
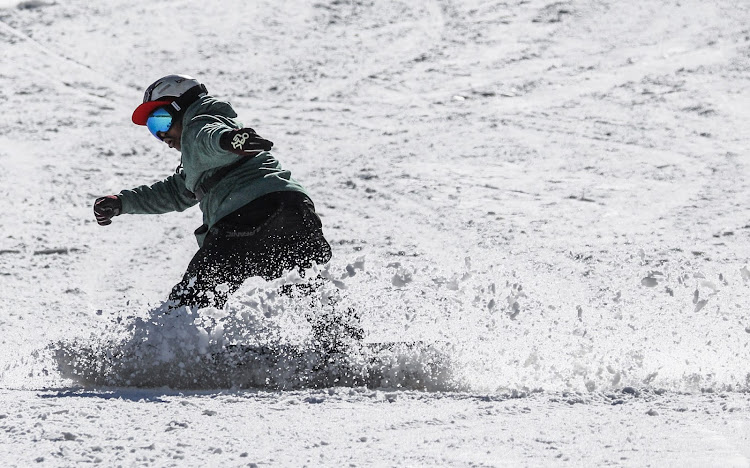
(242, 353)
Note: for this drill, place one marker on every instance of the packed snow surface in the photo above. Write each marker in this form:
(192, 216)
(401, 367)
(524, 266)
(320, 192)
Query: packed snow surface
(546, 200)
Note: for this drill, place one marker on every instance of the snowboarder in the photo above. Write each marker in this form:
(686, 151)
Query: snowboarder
(257, 220)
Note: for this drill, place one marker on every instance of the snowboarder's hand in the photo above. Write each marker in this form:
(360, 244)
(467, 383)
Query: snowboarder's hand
(106, 208)
(244, 142)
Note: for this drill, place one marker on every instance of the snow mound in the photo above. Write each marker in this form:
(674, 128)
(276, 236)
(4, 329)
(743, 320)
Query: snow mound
(262, 339)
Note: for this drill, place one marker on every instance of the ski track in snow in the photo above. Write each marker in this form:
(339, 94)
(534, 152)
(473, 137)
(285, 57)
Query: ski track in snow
(552, 192)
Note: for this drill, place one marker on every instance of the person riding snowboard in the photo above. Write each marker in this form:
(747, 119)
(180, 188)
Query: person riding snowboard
(257, 220)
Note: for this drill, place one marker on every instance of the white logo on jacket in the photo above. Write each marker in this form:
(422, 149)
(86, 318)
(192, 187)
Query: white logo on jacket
(239, 140)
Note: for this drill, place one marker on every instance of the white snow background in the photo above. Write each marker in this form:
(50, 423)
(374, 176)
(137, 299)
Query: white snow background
(553, 193)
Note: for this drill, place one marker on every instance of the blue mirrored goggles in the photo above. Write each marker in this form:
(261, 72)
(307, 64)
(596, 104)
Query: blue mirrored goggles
(160, 121)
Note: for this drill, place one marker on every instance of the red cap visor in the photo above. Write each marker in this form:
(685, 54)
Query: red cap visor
(141, 113)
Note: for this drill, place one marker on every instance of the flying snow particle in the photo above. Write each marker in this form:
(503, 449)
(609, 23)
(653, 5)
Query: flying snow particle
(649, 282)
(401, 278)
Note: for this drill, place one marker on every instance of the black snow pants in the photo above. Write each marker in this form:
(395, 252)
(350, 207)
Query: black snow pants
(268, 236)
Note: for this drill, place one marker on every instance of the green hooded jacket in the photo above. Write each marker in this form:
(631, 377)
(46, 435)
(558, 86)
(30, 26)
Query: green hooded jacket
(202, 125)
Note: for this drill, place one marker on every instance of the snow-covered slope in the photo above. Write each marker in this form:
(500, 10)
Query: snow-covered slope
(553, 192)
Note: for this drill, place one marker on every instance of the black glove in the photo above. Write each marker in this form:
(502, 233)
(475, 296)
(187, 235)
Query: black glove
(244, 142)
(106, 208)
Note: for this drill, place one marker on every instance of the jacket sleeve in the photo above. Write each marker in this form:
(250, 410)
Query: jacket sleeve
(167, 195)
(206, 136)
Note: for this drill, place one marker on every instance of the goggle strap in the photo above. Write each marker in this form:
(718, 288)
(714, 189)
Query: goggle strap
(189, 97)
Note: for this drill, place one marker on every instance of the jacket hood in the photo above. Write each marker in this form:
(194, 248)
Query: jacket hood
(211, 106)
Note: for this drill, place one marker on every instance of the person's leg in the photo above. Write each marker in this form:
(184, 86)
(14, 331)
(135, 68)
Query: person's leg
(210, 267)
(229, 255)
(300, 243)
(267, 237)
(294, 236)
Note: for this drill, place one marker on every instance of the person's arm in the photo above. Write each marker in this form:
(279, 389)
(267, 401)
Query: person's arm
(164, 196)
(244, 142)
(211, 137)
